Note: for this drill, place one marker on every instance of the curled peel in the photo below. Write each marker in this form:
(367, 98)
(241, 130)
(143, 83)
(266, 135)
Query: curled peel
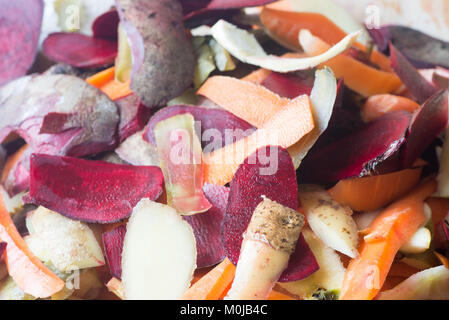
(244, 46)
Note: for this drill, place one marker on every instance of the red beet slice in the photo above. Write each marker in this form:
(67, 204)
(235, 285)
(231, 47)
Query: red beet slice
(422, 50)
(2, 248)
(290, 85)
(245, 194)
(20, 27)
(56, 114)
(79, 50)
(427, 124)
(418, 86)
(358, 154)
(91, 191)
(106, 25)
(133, 116)
(207, 227)
(212, 121)
(113, 247)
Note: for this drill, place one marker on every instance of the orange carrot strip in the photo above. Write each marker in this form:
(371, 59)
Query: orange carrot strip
(248, 101)
(378, 105)
(276, 295)
(284, 129)
(105, 81)
(366, 274)
(28, 272)
(11, 161)
(373, 193)
(358, 76)
(284, 25)
(213, 284)
(257, 76)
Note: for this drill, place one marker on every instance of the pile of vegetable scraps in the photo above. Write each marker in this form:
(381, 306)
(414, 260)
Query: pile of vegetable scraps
(211, 149)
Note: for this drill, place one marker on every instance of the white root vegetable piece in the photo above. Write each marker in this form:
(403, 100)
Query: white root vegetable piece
(322, 98)
(330, 275)
(13, 205)
(329, 220)
(267, 245)
(419, 242)
(65, 243)
(159, 253)
(244, 46)
(430, 284)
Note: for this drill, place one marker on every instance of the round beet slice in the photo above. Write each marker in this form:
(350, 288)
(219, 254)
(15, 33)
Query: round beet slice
(250, 183)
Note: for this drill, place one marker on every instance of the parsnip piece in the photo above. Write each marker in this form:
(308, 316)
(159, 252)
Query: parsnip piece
(159, 253)
(267, 245)
(243, 45)
(330, 275)
(430, 284)
(329, 220)
(419, 242)
(65, 243)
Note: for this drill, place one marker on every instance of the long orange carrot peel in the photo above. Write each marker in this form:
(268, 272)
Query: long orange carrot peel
(366, 274)
(28, 272)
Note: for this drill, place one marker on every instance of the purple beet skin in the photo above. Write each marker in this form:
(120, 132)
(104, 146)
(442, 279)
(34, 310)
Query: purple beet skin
(133, 116)
(427, 124)
(91, 191)
(364, 152)
(418, 86)
(207, 227)
(245, 194)
(20, 27)
(56, 114)
(212, 121)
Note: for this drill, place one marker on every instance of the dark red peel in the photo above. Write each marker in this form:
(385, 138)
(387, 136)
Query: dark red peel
(290, 85)
(2, 249)
(417, 85)
(207, 227)
(246, 192)
(361, 153)
(113, 247)
(20, 27)
(216, 120)
(91, 191)
(106, 25)
(427, 124)
(79, 50)
(55, 114)
(133, 116)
